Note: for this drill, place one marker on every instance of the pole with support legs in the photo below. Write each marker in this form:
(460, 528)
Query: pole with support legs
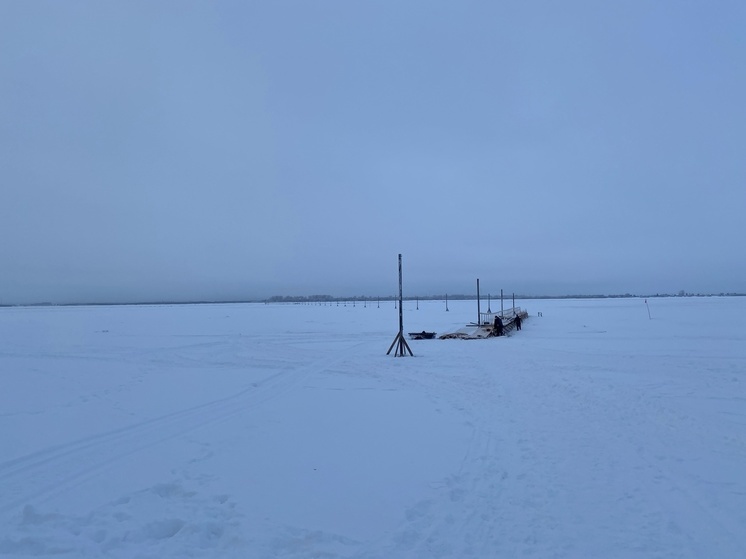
(399, 341)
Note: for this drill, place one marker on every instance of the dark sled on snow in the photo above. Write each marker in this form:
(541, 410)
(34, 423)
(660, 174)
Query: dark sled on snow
(422, 335)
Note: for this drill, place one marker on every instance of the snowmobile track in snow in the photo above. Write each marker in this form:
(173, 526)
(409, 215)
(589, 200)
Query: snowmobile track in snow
(39, 476)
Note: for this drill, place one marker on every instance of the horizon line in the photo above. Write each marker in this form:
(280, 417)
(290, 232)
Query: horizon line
(366, 298)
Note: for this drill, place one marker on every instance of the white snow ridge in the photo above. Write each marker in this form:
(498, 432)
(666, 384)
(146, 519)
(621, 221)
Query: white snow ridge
(252, 430)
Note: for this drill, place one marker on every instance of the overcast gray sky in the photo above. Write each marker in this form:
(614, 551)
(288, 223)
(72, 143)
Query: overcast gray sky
(157, 150)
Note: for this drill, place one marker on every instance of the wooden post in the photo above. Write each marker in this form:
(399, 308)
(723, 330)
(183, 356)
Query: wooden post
(479, 311)
(501, 304)
(400, 342)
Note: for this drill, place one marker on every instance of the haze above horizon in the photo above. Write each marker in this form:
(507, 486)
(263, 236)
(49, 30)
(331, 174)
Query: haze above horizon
(184, 150)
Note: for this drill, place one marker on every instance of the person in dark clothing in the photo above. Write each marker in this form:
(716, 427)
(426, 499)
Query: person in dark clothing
(498, 326)
(517, 321)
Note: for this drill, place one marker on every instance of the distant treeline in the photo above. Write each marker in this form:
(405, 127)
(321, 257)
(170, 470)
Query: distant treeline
(331, 298)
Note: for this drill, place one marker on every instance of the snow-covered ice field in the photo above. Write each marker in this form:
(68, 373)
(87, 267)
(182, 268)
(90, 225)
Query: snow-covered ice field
(252, 431)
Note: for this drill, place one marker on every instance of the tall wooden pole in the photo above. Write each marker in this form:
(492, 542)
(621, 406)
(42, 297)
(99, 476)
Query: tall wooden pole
(501, 304)
(401, 311)
(400, 342)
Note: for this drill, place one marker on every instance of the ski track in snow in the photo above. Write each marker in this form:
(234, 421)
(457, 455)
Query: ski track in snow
(125, 526)
(49, 472)
(467, 515)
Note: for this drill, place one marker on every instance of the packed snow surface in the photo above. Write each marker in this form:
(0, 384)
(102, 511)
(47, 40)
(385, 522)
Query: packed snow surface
(255, 430)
